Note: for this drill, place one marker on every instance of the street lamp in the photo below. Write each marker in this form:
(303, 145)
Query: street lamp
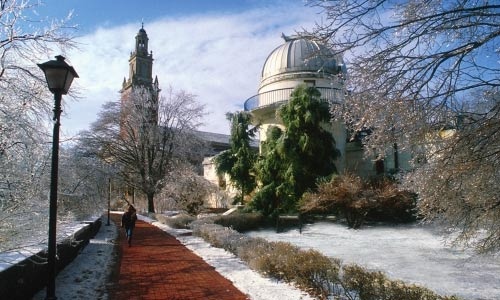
(109, 199)
(59, 76)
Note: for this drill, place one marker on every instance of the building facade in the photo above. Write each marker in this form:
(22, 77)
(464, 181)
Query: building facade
(303, 60)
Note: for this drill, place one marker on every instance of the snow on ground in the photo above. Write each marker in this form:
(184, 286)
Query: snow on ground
(413, 253)
(7, 259)
(86, 277)
(21, 247)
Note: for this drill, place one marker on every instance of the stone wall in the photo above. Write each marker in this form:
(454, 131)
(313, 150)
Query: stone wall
(25, 278)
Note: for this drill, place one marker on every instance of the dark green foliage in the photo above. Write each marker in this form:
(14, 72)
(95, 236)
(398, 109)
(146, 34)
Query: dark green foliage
(292, 160)
(271, 168)
(306, 144)
(238, 162)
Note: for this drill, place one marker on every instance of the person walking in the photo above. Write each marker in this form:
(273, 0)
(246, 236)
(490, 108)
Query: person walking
(128, 222)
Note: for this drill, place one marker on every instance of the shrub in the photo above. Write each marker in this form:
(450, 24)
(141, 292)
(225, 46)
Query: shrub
(375, 285)
(368, 285)
(180, 221)
(308, 269)
(357, 201)
(241, 221)
(345, 194)
(311, 269)
(254, 252)
(279, 261)
(219, 236)
(393, 204)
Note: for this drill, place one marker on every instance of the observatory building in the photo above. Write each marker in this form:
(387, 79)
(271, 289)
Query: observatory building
(303, 60)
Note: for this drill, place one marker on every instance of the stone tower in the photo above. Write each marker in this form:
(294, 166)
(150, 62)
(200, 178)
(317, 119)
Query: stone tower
(141, 76)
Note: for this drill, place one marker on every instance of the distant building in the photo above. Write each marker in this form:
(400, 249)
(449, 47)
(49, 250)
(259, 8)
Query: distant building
(216, 143)
(141, 76)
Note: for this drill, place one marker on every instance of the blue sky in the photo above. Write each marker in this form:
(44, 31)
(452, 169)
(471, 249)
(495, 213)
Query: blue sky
(91, 14)
(213, 49)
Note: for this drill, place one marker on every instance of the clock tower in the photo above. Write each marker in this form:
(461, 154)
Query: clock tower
(141, 75)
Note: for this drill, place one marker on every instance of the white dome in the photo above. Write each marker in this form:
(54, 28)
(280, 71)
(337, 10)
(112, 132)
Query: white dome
(299, 55)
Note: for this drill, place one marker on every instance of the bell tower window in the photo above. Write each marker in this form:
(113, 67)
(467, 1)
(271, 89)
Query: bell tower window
(141, 62)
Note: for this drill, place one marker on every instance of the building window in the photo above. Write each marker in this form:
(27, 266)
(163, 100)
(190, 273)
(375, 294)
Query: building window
(221, 181)
(310, 83)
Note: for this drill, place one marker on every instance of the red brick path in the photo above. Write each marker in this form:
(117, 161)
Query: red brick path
(158, 266)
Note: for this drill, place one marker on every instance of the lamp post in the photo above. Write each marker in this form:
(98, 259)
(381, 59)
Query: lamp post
(59, 76)
(109, 199)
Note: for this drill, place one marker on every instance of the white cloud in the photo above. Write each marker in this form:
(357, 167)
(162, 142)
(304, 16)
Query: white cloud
(217, 57)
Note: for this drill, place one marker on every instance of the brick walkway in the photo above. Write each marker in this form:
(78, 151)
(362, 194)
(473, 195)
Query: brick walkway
(158, 266)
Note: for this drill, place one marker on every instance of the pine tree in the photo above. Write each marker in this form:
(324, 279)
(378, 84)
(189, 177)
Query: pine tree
(239, 160)
(294, 159)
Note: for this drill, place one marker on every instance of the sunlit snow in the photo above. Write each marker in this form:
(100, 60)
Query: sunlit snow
(86, 277)
(413, 253)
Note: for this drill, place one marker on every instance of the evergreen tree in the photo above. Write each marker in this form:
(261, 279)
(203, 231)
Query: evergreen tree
(307, 146)
(270, 169)
(239, 160)
(293, 160)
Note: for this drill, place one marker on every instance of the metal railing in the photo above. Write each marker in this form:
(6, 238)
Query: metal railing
(283, 95)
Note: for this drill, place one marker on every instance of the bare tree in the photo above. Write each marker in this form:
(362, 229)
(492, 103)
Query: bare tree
(146, 145)
(414, 66)
(186, 190)
(84, 181)
(25, 112)
(458, 186)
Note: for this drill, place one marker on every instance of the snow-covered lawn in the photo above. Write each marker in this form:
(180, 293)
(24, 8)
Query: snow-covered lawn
(413, 253)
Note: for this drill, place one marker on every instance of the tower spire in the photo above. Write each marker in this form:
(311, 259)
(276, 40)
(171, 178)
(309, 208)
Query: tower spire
(140, 62)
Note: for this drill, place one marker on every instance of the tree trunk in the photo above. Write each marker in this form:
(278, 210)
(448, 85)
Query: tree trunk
(151, 203)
